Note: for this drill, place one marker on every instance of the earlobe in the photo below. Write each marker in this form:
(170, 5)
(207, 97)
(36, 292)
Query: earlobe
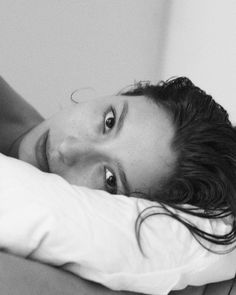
(83, 94)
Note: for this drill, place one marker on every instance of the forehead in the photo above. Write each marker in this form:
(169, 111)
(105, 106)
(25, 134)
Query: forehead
(147, 135)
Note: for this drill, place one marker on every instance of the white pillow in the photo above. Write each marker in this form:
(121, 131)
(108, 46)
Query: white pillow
(92, 234)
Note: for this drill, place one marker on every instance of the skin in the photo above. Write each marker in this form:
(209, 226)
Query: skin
(21, 276)
(86, 147)
(14, 123)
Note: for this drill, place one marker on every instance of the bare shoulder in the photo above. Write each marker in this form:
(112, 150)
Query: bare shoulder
(10, 99)
(16, 116)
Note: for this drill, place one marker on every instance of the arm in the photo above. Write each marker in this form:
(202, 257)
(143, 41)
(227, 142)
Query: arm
(190, 291)
(220, 288)
(16, 116)
(24, 277)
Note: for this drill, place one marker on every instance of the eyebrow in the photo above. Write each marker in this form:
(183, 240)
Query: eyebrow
(122, 117)
(120, 124)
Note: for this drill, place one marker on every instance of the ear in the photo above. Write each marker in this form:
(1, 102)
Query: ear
(83, 94)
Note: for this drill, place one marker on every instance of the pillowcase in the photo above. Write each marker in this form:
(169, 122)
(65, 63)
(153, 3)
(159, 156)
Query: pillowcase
(92, 234)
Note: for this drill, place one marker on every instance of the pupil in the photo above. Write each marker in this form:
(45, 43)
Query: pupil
(111, 181)
(110, 122)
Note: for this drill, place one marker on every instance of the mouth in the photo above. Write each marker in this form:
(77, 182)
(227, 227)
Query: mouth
(41, 152)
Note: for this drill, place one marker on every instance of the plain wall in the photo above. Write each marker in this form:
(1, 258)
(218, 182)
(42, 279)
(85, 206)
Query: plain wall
(201, 44)
(49, 48)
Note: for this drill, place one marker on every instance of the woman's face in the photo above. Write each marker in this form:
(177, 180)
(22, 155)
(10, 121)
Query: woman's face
(115, 143)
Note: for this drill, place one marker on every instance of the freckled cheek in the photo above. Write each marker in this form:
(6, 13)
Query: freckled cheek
(85, 125)
(73, 127)
(90, 177)
(131, 151)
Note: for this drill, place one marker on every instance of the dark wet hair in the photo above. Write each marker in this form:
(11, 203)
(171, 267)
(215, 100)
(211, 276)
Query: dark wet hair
(204, 175)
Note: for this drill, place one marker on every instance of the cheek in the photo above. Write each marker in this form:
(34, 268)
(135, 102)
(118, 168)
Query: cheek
(83, 176)
(66, 124)
(83, 121)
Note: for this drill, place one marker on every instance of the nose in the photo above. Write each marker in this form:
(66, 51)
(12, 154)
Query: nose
(72, 150)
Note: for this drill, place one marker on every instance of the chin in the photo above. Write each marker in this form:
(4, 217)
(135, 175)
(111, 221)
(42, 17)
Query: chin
(27, 157)
(26, 152)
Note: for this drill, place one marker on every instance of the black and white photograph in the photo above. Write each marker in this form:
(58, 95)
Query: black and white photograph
(117, 147)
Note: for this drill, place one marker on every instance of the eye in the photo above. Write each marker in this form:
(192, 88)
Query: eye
(109, 120)
(110, 181)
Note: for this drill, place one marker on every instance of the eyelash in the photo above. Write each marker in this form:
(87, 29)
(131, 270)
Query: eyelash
(112, 190)
(109, 189)
(111, 109)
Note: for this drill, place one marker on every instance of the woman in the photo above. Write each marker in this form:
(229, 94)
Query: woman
(187, 146)
(170, 143)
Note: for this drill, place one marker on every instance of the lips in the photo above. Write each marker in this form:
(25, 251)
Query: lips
(41, 152)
